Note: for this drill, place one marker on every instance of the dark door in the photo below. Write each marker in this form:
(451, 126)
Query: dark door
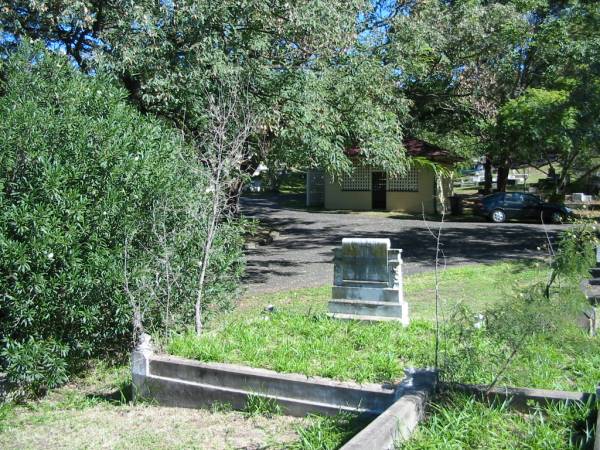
(513, 205)
(532, 207)
(379, 191)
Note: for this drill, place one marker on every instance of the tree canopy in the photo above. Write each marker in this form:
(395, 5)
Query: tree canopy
(464, 66)
(322, 76)
(313, 88)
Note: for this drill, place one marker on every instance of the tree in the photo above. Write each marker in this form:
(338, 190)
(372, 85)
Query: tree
(462, 62)
(223, 150)
(538, 125)
(295, 58)
(455, 62)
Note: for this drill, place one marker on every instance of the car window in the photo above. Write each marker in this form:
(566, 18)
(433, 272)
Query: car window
(492, 199)
(513, 198)
(531, 200)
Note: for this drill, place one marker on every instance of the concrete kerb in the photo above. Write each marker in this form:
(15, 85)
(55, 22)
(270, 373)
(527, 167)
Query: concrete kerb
(520, 398)
(397, 423)
(397, 409)
(172, 381)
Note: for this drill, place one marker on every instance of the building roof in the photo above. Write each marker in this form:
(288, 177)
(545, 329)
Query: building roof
(418, 148)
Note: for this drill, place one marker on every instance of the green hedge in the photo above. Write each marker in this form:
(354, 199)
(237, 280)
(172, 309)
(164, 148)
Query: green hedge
(81, 173)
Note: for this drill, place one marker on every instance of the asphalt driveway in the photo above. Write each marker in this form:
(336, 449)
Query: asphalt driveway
(302, 255)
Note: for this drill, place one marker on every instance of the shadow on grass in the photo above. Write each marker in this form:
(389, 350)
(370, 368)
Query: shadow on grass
(122, 395)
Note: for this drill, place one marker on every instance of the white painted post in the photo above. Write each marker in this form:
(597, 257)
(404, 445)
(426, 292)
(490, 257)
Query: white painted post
(140, 366)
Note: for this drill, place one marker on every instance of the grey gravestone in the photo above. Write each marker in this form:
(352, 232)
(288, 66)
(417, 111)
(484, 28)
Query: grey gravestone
(367, 281)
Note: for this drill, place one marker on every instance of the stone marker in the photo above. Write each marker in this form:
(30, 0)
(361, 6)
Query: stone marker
(591, 290)
(367, 281)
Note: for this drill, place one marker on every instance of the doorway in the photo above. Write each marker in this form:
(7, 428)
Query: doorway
(378, 190)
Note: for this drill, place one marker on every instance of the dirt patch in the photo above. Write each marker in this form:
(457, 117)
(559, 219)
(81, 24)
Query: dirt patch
(146, 426)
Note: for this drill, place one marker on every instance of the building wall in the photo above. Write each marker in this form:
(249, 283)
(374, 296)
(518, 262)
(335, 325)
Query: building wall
(410, 202)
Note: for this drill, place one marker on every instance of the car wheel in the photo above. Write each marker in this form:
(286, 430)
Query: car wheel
(498, 216)
(557, 217)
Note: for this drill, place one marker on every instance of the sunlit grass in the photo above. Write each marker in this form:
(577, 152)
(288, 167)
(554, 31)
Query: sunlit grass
(298, 337)
(460, 422)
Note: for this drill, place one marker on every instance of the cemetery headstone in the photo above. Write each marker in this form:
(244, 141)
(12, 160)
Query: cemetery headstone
(367, 281)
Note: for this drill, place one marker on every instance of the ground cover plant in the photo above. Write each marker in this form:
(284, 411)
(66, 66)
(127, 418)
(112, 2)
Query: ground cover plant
(299, 337)
(457, 421)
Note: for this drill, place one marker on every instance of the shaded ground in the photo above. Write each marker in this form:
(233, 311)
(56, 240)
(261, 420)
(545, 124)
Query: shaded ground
(96, 412)
(142, 427)
(302, 255)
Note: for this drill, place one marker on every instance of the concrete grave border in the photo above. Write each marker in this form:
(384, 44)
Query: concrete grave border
(396, 409)
(521, 398)
(173, 381)
(397, 423)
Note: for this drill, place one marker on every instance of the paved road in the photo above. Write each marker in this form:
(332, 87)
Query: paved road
(302, 255)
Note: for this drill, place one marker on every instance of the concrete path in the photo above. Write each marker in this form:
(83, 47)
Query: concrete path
(302, 255)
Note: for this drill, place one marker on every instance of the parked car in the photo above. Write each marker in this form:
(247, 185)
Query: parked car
(502, 206)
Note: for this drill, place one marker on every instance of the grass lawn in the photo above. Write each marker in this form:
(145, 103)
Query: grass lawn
(95, 412)
(456, 422)
(299, 338)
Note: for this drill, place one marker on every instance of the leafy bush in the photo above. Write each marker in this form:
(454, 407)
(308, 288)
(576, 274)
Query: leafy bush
(576, 251)
(100, 208)
(37, 364)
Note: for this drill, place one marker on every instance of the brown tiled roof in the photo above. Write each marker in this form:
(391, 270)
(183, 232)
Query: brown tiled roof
(419, 148)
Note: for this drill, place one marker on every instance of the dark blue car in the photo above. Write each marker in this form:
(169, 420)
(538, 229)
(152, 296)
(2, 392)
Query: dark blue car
(502, 206)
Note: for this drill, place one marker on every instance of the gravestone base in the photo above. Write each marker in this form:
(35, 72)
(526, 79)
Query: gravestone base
(368, 282)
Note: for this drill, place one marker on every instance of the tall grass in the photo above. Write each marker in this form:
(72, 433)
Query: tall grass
(460, 422)
(316, 345)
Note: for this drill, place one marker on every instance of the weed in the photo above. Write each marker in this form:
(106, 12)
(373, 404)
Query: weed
(258, 405)
(6, 411)
(457, 421)
(220, 407)
(328, 433)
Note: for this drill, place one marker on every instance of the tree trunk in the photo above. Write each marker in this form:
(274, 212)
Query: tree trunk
(233, 197)
(137, 321)
(502, 180)
(562, 182)
(487, 177)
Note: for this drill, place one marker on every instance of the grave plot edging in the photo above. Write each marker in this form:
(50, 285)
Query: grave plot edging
(397, 423)
(179, 382)
(521, 398)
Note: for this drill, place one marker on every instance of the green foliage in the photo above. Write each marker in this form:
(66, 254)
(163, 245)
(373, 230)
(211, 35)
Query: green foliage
(539, 315)
(522, 332)
(457, 421)
(82, 174)
(260, 405)
(576, 251)
(36, 364)
(514, 80)
(539, 118)
(328, 433)
(312, 88)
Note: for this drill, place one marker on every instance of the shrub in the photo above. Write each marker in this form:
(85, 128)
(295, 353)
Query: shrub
(36, 364)
(84, 177)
